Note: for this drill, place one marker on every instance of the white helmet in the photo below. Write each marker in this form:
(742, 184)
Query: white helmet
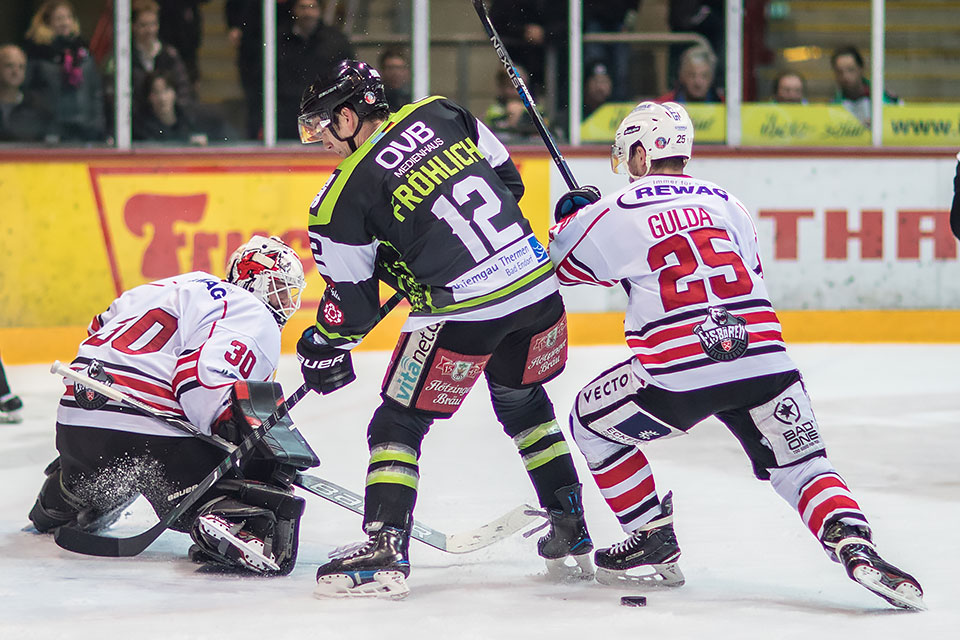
(664, 130)
(270, 270)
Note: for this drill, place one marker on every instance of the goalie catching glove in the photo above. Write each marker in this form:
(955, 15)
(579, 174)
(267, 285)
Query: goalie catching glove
(324, 368)
(574, 200)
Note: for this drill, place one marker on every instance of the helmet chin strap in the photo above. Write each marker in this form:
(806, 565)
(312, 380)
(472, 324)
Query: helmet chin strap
(351, 139)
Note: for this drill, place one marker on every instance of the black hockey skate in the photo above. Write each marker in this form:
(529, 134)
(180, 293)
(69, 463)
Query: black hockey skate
(853, 547)
(377, 567)
(10, 406)
(567, 537)
(648, 556)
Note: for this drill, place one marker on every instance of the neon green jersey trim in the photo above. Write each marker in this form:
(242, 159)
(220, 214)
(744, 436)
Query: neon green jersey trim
(499, 293)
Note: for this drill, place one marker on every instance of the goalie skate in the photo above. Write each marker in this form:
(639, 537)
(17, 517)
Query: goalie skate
(647, 557)
(237, 544)
(853, 546)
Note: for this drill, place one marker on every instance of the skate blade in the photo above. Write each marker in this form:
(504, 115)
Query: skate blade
(560, 570)
(906, 595)
(249, 556)
(384, 584)
(659, 575)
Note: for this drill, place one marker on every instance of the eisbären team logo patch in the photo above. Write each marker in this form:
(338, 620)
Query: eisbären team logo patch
(88, 398)
(723, 336)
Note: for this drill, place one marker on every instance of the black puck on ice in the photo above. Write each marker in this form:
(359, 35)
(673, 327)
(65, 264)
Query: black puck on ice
(633, 601)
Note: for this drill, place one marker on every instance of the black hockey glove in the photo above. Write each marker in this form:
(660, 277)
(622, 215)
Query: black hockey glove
(324, 368)
(572, 201)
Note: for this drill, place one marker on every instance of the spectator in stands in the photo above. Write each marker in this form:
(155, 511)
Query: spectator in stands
(245, 30)
(181, 26)
(529, 29)
(150, 54)
(695, 79)
(853, 88)
(706, 17)
(789, 87)
(597, 89)
(395, 70)
(304, 49)
(507, 117)
(63, 72)
(23, 117)
(611, 16)
(159, 118)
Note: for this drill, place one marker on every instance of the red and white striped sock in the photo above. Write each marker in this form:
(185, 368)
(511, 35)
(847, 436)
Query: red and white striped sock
(826, 498)
(626, 483)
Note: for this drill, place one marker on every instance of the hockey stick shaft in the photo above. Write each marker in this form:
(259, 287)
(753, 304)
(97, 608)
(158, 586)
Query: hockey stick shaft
(89, 543)
(525, 95)
(461, 542)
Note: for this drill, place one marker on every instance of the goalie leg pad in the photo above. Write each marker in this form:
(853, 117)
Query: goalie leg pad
(55, 506)
(251, 525)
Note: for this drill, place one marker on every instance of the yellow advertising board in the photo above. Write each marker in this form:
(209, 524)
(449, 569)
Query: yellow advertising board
(922, 125)
(709, 122)
(821, 125)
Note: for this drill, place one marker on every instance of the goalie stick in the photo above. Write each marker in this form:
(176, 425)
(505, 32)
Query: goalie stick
(90, 543)
(461, 542)
(525, 95)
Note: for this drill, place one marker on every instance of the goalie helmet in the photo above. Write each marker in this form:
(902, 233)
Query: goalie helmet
(352, 83)
(271, 270)
(664, 130)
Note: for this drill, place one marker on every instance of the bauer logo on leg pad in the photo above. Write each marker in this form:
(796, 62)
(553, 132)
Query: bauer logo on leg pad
(788, 425)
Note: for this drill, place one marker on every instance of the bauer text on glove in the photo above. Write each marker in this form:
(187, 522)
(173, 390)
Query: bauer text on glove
(324, 368)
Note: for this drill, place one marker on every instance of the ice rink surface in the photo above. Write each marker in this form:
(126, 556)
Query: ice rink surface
(889, 414)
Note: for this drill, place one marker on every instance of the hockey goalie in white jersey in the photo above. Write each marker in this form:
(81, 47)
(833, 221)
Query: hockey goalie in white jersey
(203, 350)
(705, 341)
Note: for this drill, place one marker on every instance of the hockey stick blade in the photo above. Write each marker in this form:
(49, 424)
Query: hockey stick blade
(503, 527)
(463, 542)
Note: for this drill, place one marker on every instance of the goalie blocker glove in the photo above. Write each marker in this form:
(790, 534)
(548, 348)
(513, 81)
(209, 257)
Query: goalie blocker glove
(574, 200)
(324, 368)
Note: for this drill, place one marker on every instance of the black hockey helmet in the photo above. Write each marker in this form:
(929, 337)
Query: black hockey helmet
(349, 82)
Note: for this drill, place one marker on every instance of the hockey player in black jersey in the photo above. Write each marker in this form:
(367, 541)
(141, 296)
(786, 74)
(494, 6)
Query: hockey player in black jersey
(425, 199)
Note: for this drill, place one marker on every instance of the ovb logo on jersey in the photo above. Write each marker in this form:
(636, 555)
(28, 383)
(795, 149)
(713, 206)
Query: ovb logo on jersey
(88, 398)
(723, 336)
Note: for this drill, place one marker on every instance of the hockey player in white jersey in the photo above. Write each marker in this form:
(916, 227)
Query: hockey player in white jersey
(705, 341)
(204, 350)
